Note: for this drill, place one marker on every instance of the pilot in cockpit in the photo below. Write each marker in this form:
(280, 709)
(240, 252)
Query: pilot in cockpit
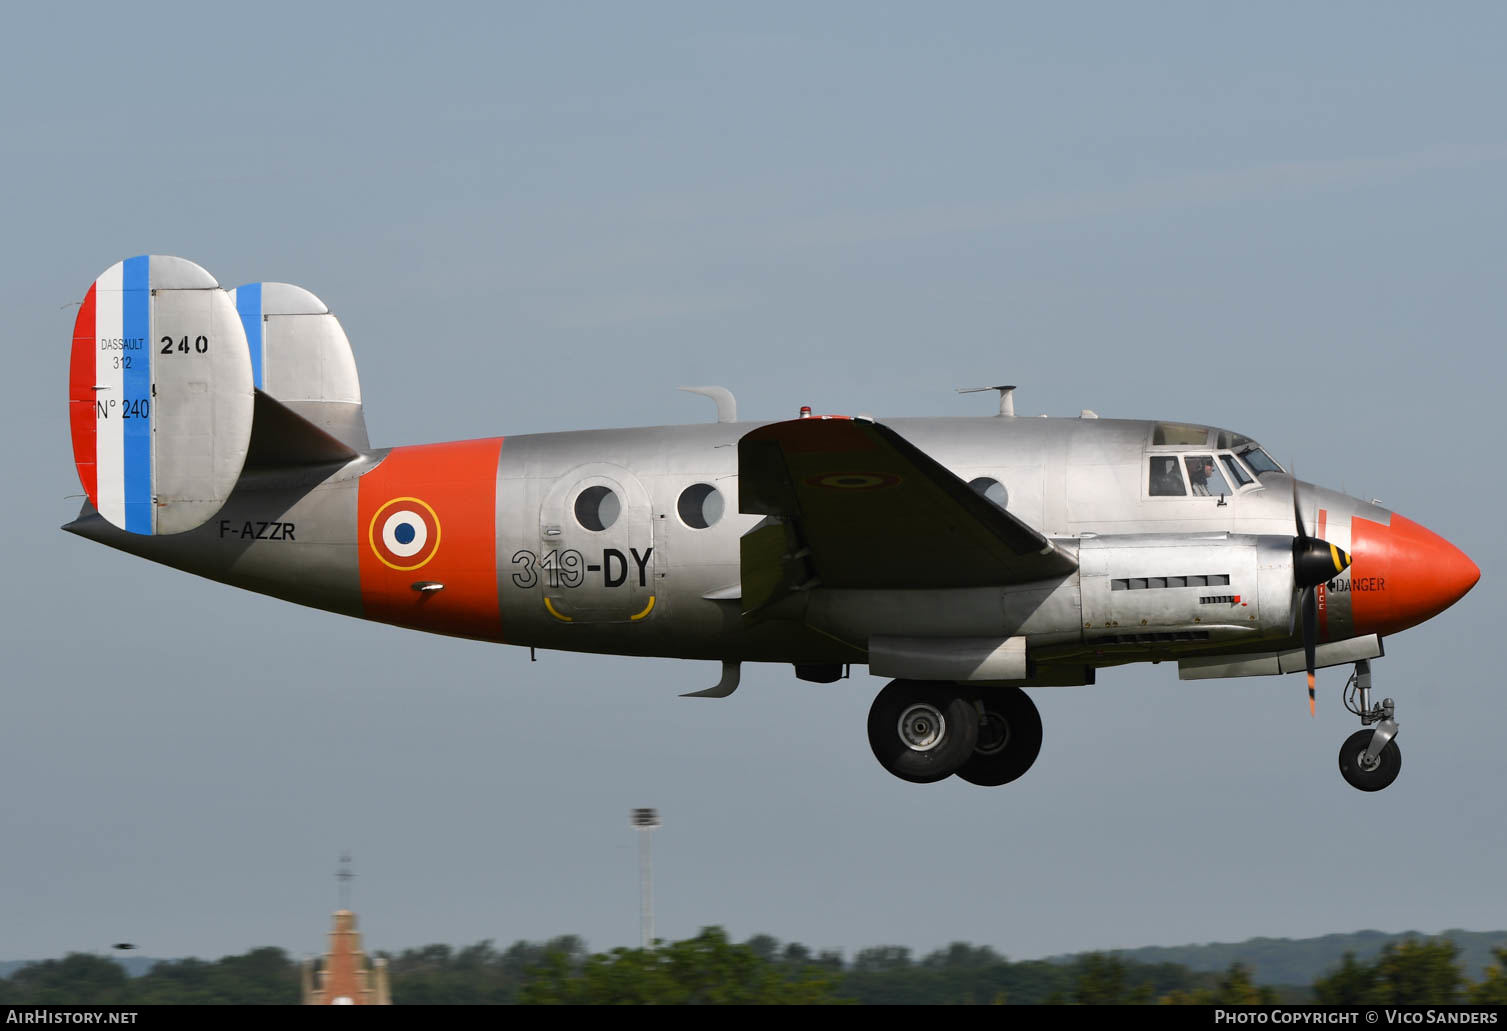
(1200, 470)
(1165, 480)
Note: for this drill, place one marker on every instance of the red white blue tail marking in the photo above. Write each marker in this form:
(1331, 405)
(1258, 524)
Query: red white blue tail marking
(160, 396)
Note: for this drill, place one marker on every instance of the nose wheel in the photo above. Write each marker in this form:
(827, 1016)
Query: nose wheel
(1369, 759)
(1361, 769)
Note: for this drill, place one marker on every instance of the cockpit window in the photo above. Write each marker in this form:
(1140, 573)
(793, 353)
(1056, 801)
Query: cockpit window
(1237, 471)
(1166, 478)
(1205, 478)
(1258, 460)
(1232, 441)
(1164, 433)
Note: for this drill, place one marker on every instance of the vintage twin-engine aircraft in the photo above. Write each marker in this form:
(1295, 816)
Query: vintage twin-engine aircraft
(222, 433)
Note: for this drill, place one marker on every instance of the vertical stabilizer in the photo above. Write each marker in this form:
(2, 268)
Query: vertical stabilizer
(159, 395)
(301, 356)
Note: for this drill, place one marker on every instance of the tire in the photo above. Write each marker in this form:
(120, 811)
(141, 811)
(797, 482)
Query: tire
(1368, 780)
(1009, 739)
(922, 731)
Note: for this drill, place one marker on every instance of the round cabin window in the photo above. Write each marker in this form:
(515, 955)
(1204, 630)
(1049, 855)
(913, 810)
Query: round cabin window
(597, 508)
(700, 506)
(992, 490)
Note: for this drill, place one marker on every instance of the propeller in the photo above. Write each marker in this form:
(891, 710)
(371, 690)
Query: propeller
(1314, 561)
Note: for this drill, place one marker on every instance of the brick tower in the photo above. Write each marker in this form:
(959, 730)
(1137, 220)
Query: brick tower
(343, 976)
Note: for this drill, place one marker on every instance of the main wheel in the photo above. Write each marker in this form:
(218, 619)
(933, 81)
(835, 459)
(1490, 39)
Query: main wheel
(1009, 739)
(1372, 775)
(922, 731)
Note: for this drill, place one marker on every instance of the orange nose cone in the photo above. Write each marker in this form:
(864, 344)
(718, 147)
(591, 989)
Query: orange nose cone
(1403, 574)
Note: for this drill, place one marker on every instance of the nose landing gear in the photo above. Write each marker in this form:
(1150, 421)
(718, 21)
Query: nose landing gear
(1369, 759)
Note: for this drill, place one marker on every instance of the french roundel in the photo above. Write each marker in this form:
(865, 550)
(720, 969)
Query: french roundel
(854, 481)
(405, 533)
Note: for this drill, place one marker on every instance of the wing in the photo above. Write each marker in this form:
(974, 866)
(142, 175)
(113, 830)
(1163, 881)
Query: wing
(855, 505)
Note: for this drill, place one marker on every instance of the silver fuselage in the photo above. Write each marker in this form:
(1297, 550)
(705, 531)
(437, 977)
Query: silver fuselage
(650, 584)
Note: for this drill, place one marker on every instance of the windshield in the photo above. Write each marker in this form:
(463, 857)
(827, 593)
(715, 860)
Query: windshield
(1258, 460)
(1237, 473)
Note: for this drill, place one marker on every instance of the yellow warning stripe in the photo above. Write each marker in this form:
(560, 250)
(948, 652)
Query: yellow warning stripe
(548, 604)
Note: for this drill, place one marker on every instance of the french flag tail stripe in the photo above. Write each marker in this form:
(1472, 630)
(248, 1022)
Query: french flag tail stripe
(136, 390)
(161, 395)
(248, 304)
(109, 444)
(81, 399)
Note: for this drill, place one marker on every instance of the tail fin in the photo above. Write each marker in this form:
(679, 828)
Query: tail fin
(160, 395)
(301, 357)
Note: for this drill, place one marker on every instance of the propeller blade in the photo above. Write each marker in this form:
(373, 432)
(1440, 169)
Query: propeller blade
(1297, 512)
(1310, 640)
(1314, 562)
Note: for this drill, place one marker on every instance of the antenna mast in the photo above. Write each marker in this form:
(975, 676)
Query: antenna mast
(344, 875)
(1006, 397)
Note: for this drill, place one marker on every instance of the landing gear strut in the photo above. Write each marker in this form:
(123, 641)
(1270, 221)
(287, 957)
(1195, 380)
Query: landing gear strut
(1369, 759)
(1009, 738)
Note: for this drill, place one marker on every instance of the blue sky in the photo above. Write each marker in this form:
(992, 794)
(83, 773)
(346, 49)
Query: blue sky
(1286, 220)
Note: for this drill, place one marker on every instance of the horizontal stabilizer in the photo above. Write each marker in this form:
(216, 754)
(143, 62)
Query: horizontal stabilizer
(159, 395)
(281, 437)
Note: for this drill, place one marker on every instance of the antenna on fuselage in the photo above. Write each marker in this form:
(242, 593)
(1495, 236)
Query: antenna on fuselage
(727, 405)
(1006, 397)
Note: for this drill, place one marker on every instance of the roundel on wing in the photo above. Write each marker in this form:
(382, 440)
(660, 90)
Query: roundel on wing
(854, 481)
(404, 533)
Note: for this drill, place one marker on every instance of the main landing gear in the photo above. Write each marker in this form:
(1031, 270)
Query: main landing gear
(925, 731)
(1369, 759)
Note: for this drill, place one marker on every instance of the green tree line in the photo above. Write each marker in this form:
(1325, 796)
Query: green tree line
(710, 969)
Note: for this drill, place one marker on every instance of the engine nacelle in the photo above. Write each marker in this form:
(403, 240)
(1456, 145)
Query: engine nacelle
(1153, 589)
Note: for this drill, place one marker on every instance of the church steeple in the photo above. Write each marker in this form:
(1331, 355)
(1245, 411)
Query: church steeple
(344, 978)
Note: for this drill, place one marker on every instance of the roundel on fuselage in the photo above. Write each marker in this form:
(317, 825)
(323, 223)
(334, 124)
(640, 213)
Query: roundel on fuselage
(404, 533)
